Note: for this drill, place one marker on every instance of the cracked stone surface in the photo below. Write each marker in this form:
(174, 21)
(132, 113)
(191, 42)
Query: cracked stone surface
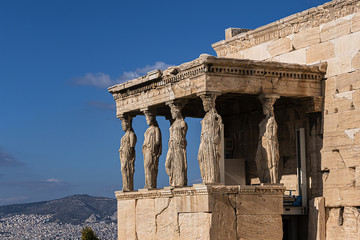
(167, 226)
(223, 210)
(208, 212)
(145, 219)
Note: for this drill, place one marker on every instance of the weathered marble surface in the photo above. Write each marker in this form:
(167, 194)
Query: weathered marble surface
(206, 212)
(267, 155)
(151, 150)
(343, 223)
(176, 162)
(127, 154)
(209, 150)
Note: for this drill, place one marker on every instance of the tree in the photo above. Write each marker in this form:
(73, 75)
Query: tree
(88, 234)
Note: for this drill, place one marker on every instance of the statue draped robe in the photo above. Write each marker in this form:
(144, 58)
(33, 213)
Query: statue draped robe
(127, 159)
(176, 163)
(152, 151)
(209, 150)
(267, 154)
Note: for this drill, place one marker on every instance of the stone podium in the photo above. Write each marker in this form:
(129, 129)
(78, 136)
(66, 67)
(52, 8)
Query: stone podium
(214, 212)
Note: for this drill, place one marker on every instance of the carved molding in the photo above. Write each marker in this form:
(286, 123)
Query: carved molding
(209, 74)
(314, 104)
(178, 103)
(284, 27)
(216, 66)
(126, 115)
(158, 82)
(234, 71)
(268, 101)
(207, 190)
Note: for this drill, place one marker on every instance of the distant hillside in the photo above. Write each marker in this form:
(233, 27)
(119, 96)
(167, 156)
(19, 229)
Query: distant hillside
(73, 209)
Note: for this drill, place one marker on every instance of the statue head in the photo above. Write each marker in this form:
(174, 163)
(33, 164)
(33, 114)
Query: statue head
(175, 113)
(268, 106)
(150, 118)
(126, 122)
(208, 102)
(268, 101)
(175, 109)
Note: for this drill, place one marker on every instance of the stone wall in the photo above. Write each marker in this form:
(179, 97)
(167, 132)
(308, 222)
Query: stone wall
(343, 223)
(328, 33)
(201, 212)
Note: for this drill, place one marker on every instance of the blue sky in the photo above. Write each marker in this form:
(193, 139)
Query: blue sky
(58, 131)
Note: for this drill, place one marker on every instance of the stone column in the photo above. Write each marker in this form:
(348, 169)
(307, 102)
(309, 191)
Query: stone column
(176, 163)
(151, 149)
(127, 153)
(267, 154)
(209, 151)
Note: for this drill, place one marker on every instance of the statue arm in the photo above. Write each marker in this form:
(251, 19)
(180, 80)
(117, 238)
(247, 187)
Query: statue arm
(157, 142)
(184, 125)
(132, 140)
(218, 122)
(168, 164)
(120, 148)
(157, 136)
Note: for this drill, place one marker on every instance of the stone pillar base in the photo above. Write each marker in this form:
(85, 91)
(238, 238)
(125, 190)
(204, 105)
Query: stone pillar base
(202, 212)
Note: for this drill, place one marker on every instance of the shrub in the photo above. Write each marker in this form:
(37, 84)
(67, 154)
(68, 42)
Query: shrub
(88, 234)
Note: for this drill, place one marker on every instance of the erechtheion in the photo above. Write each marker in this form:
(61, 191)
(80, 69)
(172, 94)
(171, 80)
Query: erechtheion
(279, 150)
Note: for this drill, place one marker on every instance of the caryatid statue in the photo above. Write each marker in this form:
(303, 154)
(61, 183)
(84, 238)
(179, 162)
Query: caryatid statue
(127, 154)
(209, 150)
(267, 154)
(176, 163)
(151, 150)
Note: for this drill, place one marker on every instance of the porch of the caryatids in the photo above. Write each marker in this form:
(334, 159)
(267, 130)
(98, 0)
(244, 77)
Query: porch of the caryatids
(267, 154)
(127, 153)
(209, 151)
(151, 149)
(176, 161)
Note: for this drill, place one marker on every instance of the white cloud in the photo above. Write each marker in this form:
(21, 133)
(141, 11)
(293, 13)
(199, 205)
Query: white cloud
(6, 159)
(104, 80)
(54, 180)
(97, 79)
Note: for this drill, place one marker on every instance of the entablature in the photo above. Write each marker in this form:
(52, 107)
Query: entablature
(222, 75)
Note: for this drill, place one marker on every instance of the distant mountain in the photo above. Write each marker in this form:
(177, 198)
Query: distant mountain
(75, 209)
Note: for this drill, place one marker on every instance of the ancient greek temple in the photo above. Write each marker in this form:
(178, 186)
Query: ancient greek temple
(250, 111)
